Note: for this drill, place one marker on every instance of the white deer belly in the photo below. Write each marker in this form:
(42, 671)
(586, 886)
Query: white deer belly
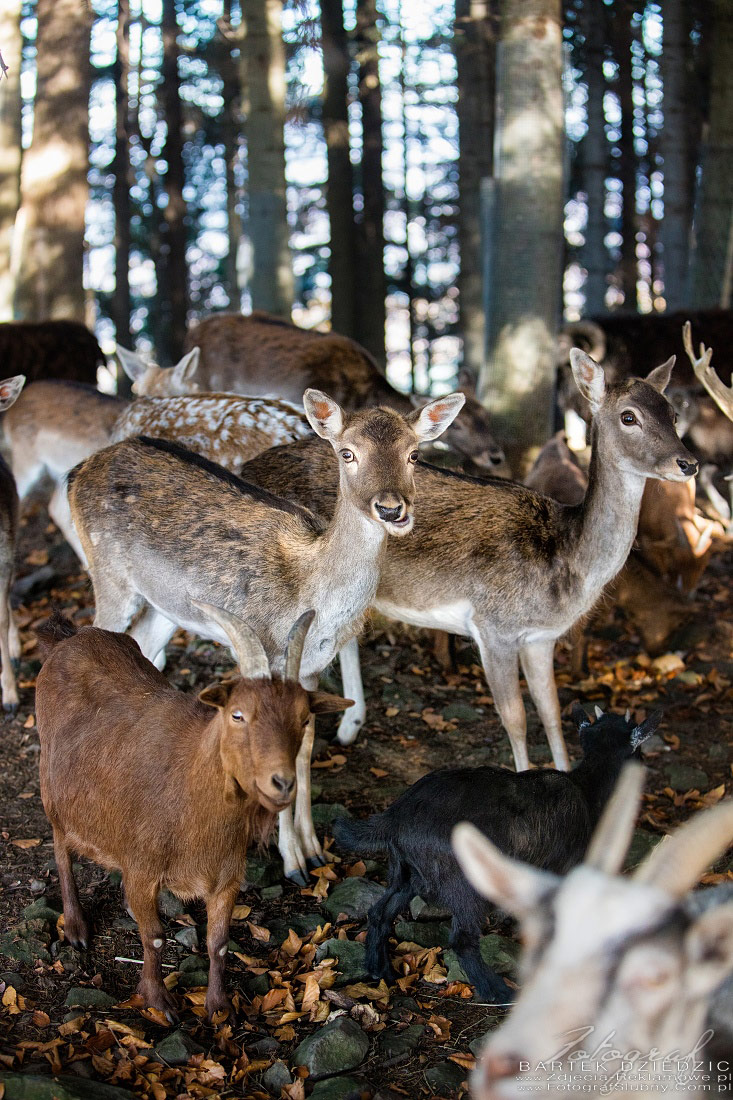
(455, 617)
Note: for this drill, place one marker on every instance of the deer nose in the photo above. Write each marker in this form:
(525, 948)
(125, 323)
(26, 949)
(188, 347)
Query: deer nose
(388, 514)
(389, 507)
(500, 1065)
(689, 468)
(284, 785)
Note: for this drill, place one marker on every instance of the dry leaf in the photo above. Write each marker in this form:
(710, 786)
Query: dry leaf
(241, 912)
(41, 1019)
(292, 944)
(29, 722)
(32, 842)
(258, 932)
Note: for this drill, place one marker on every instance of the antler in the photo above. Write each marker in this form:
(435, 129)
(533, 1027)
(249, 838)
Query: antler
(721, 394)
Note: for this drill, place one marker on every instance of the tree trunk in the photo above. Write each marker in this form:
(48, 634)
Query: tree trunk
(474, 45)
(627, 270)
(263, 57)
(517, 382)
(54, 187)
(172, 272)
(714, 214)
(595, 159)
(230, 135)
(371, 314)
(675, 227)
(11, 44)
(343, 265)
(121, 303)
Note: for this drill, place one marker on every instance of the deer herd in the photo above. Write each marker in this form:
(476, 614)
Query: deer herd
(267, 493)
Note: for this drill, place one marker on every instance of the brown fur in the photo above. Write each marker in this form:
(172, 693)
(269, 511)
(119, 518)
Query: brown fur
(261, 354)
(167, 788)
(674, 537)
(50, 349)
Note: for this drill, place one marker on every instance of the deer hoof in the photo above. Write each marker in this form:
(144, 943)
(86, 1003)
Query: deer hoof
(298, 877)
(10, 708)
(314, 861)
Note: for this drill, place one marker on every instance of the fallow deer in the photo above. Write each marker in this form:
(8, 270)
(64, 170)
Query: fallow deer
(163, 527)
(501, 563)
(264, 355)
(9, 639)
(51, 349)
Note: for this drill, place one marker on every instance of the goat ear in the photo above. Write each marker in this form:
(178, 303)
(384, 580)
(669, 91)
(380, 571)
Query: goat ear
(660, 376)
(432, 419)
(133, 364)
(511, 885)
(709, 949)
(187, 367)
(216, 695)
(643, 732)
(589, 377)
(322, 702)
(325, 416)
(10, 391)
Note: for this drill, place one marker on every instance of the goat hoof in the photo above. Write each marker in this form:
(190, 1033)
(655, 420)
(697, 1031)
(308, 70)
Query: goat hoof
(11, 708)
(297, 877)
(314, 861)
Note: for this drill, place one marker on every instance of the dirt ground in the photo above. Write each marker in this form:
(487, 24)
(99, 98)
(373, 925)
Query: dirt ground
(420, 1030)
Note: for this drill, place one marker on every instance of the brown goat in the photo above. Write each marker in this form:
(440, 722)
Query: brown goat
(167, 788)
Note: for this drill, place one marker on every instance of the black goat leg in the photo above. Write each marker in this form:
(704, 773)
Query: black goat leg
(465, 941)
(381, 915)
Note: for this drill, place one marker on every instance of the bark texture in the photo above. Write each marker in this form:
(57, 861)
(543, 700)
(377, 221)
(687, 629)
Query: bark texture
(10, 142)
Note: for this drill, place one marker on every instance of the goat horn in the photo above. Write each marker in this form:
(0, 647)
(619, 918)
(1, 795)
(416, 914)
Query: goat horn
(599, 712)
(294, 647)
(612, 836)
(248, 649)
(677, 862)
(627, 716)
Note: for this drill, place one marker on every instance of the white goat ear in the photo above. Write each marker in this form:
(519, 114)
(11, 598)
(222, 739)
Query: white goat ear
(188, 365)
(325, 415)
(709, 949)
(589, 377)
(432, 419)
(133, 364)
(10, 391)
(513, 886)
(660, 376)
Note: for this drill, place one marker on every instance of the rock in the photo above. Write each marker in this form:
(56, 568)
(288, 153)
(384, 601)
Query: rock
(262, 872)
(177, 1048)
(397, 695)
(497, 951)
(353, 896)
(340, 1088)
(684, 777)
(325, 812)
(125, 924)
(193, 978)
(718, 751)
(654, 745)
(351, 959)
(11, 977)
(271, 893)
(445, 1078)
(423, 910)
(423, 933)
(641, 845)
(258, 983)
(187, 937)
(33, 1086)
(263, 1047)
(477, 1045)
(27, 942)
(194, 962)
(391, 1044)
(276, 1077)
(89, 997)
(333, 1048)
(169, 905)
(462, 711)
(41, 910)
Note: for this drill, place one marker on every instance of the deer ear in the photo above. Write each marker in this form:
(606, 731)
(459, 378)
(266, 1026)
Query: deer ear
(513, 886)
(216, 695)
(322, 702)
(432, 419)
(187, 367)
(709, 949)
(660, 376)
(133, 364)
(10, 391)
(325, 416)
(589, 377)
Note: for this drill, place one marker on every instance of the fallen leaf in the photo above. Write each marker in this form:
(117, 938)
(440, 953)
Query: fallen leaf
(31, 842)
(379, 772)
(241, 912)
(41, 1019)
(29, 722)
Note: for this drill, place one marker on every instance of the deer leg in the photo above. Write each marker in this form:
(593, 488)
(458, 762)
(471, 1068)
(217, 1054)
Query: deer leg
(116, 603)
(13, 636)
(60, 513)
(502, 674)
(152, 632)
(218, 914)
(76, 929)
(7, 675)
(143, 899)
(538, 663)
(353, 718)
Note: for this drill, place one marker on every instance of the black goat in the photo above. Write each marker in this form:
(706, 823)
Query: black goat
(543, 817)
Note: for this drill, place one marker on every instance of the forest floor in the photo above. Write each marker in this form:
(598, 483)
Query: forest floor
(299, 951)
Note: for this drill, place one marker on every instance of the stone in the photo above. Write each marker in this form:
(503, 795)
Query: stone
(423, 910)
(718, 751)
(193, 978)
(262, 1047)
(423, 933)
(187, 937)
(125, 924)
(27, 942)
(641, 845)
(177, 1048)
(477, 1045)
(684, 777)
(276, 1077)
(33, 1086)
(89, 997)
(262, 872)
(333, 1048)
(351, 957)
(340, 1088)
(391, 1044)
(10, 977)
(258, 983)
(445, 1078)
(194, 962)
(462, 711)
(325, 812)
(271, 893)
(497, 951)
(354, 896)
(169, 905)
(41, 910)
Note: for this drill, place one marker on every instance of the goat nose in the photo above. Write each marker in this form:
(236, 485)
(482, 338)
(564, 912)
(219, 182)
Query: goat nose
(282, 784)
(500, 1065)
(687, 467)
(388, 513)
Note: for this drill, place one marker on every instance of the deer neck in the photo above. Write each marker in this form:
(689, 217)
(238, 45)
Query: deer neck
(608, 516)
(352, 544)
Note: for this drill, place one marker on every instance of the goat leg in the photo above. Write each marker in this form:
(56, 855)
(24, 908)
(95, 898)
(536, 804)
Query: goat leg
(218, 914)
(465, 941)
(381, 915)
(143, 902)
(76, 929)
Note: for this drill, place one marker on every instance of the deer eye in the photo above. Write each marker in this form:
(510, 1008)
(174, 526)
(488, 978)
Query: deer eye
(348, 456)
(413, 456)
(628, 417)
(237, 716)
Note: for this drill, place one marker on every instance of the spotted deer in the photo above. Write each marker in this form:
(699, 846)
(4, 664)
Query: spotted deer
(9, 640)
(264, 355)
(56, 424)
(164, 529)
(501, 563)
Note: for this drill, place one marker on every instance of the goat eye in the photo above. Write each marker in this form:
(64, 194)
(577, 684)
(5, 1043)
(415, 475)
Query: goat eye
(628, 418)
(348, 456)
(237, 716)
(413, 456)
